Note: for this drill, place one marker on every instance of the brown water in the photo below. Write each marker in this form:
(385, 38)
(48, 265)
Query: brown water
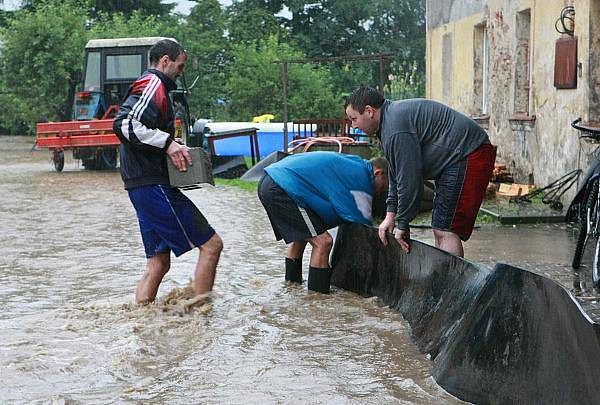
(71, 255)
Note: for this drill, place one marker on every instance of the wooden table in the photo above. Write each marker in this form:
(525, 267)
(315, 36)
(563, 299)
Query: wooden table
(233, 133)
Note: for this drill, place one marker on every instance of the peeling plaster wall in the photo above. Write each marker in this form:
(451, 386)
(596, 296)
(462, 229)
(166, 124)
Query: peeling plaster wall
(539, 150)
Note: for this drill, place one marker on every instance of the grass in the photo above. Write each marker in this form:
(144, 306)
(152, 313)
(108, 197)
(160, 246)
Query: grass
(244, 185)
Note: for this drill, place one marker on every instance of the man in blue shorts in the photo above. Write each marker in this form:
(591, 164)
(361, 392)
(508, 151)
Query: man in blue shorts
(308, 193)
(422, 140)
(168, 220)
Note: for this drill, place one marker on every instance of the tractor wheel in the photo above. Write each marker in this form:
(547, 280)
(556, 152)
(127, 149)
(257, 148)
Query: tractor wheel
(90, 163)
(58, 158)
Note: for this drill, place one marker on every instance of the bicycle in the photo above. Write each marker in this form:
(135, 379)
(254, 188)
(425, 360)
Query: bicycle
(585, 207)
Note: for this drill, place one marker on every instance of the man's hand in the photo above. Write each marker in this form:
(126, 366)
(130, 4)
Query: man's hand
(179, 155)
(387, 225)
(403, 238)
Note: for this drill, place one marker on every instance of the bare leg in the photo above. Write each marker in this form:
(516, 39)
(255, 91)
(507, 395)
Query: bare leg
(321, 247)
(296, 249)
(448, 241)
(156, 268)
(207, 265)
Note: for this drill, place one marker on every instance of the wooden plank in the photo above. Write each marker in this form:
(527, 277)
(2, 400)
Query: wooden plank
(513, 190)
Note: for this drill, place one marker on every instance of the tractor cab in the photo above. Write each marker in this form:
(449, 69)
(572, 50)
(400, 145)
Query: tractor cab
(111, 65)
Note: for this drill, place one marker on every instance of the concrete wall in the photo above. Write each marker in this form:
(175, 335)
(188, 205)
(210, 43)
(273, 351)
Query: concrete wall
(527, 117)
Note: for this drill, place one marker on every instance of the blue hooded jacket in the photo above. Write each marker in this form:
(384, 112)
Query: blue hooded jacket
(338, 187)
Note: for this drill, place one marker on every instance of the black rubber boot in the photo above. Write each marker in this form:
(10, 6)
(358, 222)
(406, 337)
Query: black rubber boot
(318, 279)
(293, 270)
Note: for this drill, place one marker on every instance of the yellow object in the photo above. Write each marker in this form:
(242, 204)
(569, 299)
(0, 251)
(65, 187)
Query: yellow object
(263, 118)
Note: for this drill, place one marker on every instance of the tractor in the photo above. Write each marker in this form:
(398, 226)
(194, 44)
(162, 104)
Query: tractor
(111, 65)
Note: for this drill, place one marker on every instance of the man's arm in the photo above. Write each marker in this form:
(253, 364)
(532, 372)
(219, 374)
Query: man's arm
(139, 118)
(405, 187)
(408, 177)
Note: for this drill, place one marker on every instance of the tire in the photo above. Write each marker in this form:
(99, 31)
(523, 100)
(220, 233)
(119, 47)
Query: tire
(101, 159)
(58, 158)
(107, 159)
(90, 164)
(590, 215)
(596, 265)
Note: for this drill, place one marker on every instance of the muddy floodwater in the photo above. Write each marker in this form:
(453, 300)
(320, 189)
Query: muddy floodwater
(70, 258)
(71, 255)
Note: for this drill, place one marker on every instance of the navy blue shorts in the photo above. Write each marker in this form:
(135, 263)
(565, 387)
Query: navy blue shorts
(289, 221)
(168, 220)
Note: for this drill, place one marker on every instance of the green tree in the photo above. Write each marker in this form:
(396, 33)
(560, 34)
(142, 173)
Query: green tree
(41, 63)
(255, 84)
(154, 8)
(203, 36)
(330, 27)
(250, 21)
(405, 81)
(398, 26)
(356, 27)
(97, 7)
(137, 24)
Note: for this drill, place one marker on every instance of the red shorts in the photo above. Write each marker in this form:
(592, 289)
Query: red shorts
(459, 191)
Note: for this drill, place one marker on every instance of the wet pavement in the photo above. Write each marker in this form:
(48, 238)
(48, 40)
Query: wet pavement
(71, 255)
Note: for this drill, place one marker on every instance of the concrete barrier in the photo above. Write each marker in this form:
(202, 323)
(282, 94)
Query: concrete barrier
(495, 336)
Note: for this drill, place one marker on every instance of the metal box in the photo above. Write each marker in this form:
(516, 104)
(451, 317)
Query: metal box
(198, 174)
(565, 63)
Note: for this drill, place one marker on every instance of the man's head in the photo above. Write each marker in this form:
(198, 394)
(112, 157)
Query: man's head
(381, 180)
(362, 108)
(168, 57)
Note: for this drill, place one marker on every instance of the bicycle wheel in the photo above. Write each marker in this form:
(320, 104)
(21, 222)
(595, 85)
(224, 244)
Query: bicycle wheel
(596, 264)
(593, 230)
(587, 222)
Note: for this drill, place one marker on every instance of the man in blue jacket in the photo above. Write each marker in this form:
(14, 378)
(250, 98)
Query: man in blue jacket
(168, 220)
(308, 193)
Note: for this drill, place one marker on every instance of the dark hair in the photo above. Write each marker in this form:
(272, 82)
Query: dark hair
(380, 163)
(379, 205)
(165, 47)
(362, 97)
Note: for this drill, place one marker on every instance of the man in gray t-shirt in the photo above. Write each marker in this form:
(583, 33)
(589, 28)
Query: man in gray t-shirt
(426, 140)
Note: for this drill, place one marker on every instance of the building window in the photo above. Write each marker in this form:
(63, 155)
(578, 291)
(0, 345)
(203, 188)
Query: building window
(447, 67)
(522, 68)
(480, 69)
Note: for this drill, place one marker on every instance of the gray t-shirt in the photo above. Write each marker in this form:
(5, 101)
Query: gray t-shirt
(420, 138)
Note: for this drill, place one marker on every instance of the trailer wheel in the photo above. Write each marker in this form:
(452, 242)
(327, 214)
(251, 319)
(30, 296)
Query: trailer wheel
(58, 158)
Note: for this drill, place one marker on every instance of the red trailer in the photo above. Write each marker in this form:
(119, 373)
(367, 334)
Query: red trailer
(92, 141)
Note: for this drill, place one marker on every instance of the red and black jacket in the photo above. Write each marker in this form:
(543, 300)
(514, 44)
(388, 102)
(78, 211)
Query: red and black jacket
(145, 126)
